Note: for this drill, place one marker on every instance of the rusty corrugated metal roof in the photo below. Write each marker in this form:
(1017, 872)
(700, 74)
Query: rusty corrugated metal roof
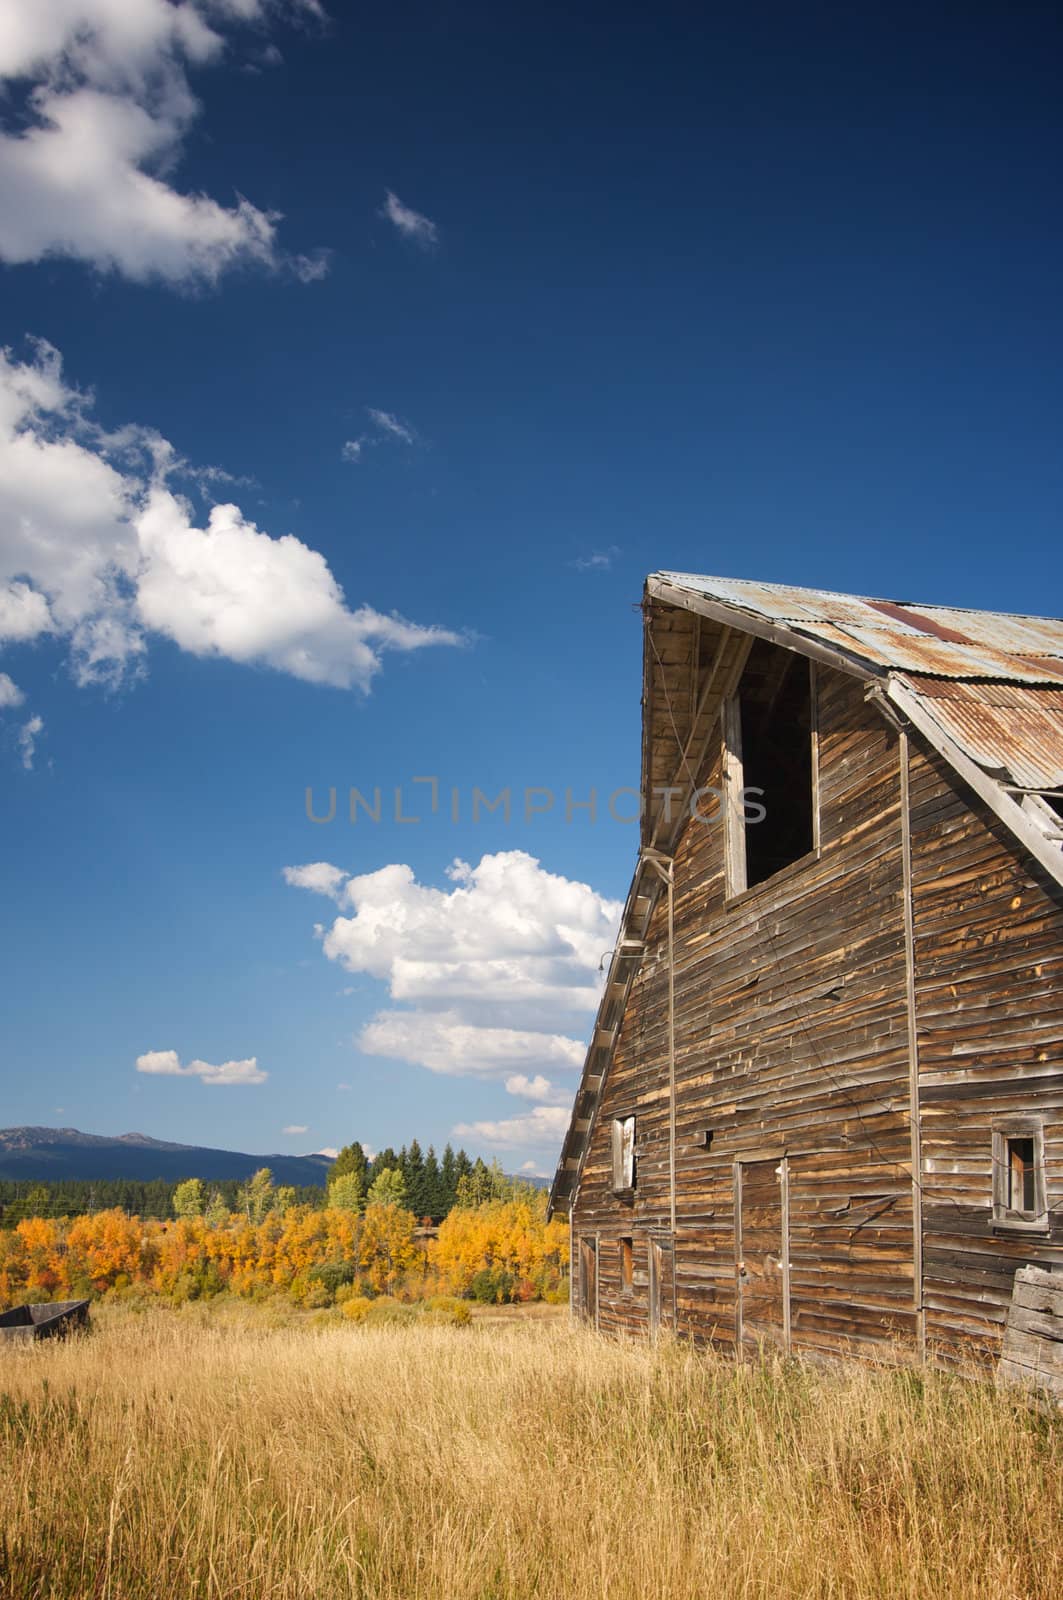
(993, 681)
(1017, 730)
(902, 636)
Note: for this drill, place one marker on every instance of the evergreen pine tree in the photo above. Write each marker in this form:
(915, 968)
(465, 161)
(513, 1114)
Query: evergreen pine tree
(433, 1188)
(351, 1159)
(413, 1171)
(448, 1180)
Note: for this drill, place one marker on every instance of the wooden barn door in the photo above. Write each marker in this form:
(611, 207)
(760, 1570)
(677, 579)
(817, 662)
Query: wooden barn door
(588, 1280)
(662, 1285)
(762, 1254)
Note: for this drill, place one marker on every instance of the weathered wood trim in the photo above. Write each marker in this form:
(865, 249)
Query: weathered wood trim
(813, 700)
(734, 828)
(914, 1112)
(784, 1197)
(736, 1190)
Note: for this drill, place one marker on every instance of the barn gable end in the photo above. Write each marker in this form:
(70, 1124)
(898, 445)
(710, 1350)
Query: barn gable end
(832, 1034)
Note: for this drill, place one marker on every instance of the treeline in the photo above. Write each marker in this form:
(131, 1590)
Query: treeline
(77, 1197)
(431, 1186)
(502, 1249)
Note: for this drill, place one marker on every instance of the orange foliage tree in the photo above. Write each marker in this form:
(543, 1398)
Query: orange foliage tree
(313, 1256)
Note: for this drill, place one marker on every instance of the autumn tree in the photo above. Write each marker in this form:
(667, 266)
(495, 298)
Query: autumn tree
(347, 1192)
(388, 1188)
(189, 1198)
(256, 1197)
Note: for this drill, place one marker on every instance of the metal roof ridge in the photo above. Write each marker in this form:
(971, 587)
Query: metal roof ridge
(689, 578)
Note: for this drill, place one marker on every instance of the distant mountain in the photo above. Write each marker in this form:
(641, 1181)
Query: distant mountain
(49, 1155)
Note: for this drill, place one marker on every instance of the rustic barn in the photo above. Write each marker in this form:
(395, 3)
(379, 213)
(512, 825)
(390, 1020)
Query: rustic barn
(822, 1107)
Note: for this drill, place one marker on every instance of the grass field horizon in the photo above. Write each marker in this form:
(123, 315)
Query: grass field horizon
(219, 1451)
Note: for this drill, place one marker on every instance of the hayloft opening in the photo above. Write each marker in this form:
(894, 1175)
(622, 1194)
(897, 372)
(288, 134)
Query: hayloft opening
(773, 731)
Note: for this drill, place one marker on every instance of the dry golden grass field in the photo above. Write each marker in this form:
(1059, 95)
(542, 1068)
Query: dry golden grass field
(213, 1454)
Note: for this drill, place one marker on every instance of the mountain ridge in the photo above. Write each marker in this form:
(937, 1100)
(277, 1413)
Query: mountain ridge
(42, 1154)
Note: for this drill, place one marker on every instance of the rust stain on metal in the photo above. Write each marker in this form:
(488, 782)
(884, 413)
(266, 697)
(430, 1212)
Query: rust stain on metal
(915, 619)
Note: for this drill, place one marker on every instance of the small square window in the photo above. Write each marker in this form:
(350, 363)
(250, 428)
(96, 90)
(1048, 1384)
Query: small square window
(627, 1266)
(1019, 1195)
(623, 1154)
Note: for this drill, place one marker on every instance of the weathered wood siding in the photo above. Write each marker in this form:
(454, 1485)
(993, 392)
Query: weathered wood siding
(989, 995)
(791, 1036)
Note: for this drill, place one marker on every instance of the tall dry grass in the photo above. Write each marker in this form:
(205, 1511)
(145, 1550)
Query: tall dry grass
(174, 1455)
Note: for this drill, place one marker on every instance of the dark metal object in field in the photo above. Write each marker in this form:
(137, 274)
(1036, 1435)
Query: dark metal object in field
(54, 1320)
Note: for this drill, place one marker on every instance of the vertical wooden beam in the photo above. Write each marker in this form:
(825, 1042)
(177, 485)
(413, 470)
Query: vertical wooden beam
(784, 1196)
(914, 1117)
(671, 1055)
(597, 1277)
(813, 701)
(738, 1254)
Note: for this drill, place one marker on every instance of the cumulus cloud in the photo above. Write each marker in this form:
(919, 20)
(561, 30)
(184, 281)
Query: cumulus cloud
(318, 876)
(28, 735)
(537, 1088)
(97, 547)
(411, 224)
(10, 693)
(85, 171)
(495, 977)
(446, 1043)
(167, 1064)
(329, 1150)
(543, 1126)
(293, 1128)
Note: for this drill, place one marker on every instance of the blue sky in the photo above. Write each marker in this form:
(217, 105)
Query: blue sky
(769, 292)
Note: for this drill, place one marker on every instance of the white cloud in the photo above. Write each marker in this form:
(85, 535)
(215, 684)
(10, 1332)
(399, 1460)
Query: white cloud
(388, 427)
(85, 173)
(411, 224)
(320, 877)
(329, 1150)
(97, 547)
(597, 561)
(28, 735)
(537, 1088)
(495, 977)
(23, 613)
(295, 1127)
(388, 423)
(444, 1043)
(167, 1064)
(543, 1126)
(10, 693)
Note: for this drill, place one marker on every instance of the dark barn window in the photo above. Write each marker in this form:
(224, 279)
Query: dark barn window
(771, 758)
